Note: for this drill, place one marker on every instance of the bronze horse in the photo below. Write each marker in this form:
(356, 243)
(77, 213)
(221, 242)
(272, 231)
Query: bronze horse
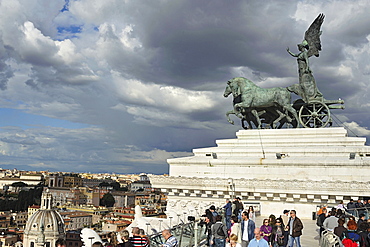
(275, 102)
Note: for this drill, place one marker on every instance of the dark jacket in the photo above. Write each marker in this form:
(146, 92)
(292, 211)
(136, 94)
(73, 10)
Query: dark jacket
(125, 244)
(297, 227)
(227, 208)
(321, 219)
(351, 205)
(339, 231)
(219, 231)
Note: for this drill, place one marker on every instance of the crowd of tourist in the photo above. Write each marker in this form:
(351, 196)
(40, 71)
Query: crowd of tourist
(138, 239)
(350, 231)
(239, 229)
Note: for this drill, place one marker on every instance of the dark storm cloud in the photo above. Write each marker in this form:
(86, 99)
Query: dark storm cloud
(6, 71)
(187, 42)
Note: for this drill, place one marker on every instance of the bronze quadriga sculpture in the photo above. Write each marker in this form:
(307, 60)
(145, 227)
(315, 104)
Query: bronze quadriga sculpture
(272, 108)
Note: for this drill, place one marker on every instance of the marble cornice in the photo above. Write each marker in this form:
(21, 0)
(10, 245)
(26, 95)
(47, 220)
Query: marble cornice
(278, 186)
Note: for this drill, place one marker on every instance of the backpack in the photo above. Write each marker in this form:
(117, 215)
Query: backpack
(280, 241)
(347, 242)
(280, 237)
(351, 239)
(319, 222)
(219, 231)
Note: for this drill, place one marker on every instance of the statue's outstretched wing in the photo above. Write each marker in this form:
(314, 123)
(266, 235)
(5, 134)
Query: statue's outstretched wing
(312, 36)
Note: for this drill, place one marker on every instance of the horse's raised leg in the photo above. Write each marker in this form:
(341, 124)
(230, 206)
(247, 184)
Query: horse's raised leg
(281, 116)
(228, 117)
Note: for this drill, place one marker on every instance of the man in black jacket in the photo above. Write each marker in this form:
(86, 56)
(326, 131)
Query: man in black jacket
(320, 220)
(295, 227)
(351, 207)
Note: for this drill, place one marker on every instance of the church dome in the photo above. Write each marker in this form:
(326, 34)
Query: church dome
(48, 221)
(45, 226)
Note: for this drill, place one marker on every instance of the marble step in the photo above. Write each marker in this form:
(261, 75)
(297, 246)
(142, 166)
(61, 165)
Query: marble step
(362, 151)
(291, 140)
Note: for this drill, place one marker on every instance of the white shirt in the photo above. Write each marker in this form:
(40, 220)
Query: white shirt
(245, 236)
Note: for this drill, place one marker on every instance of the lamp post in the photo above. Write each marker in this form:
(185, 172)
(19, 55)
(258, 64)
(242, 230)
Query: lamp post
(178, 219)
(231, 184)
(160, 225)
(147, 228)
(170, 221)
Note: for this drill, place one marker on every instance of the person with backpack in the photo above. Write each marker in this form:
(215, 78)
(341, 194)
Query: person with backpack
(350, 237)
(219, 233)
(320, 220)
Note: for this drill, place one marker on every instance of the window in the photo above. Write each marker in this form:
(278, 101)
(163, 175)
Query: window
(32, 244)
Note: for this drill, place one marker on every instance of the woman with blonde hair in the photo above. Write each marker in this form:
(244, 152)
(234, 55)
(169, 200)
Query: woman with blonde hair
(125, 236)
(233, 241)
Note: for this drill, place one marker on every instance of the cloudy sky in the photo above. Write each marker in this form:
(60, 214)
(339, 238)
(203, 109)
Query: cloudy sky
(120, 86)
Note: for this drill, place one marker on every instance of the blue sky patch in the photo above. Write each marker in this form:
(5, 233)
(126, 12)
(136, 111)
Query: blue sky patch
(14, 117)
(65, 7)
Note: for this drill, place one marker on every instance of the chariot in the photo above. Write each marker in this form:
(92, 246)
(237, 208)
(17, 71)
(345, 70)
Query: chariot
(272, 108)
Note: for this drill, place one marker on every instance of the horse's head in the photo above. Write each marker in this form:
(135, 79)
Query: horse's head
(232, 87)
(228, 90)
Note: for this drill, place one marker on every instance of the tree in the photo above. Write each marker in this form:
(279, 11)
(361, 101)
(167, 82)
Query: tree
(104, 184)
(107, 200)
(115, 185)
(18, 185)
(124, 188)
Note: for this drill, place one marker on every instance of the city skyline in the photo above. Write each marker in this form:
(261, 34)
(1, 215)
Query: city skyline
(120, 86)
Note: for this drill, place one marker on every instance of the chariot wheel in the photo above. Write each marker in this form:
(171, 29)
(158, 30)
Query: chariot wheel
(315, 114)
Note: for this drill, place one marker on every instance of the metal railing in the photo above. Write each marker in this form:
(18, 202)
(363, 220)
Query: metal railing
(329, 239)
(357, 211)
(189, 234)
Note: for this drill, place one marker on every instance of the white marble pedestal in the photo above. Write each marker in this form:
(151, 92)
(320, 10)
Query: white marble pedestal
(271, 169)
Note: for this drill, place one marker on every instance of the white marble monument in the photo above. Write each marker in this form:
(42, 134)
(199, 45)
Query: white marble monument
(272, 169)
